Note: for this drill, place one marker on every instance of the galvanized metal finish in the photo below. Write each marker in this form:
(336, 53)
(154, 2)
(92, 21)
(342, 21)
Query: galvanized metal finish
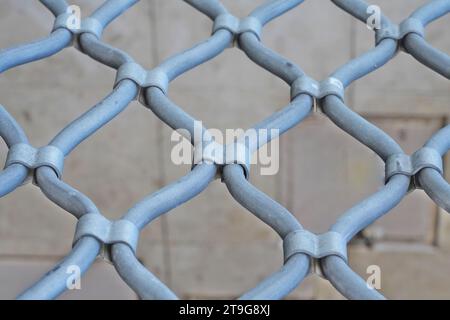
(301, 246)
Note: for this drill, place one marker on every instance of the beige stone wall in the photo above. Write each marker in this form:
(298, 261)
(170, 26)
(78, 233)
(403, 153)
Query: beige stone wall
(210, 247)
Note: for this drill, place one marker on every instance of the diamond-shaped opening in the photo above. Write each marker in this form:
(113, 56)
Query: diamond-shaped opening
(316, 36)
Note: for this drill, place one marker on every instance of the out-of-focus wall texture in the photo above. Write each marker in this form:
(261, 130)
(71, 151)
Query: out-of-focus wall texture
(211, 247)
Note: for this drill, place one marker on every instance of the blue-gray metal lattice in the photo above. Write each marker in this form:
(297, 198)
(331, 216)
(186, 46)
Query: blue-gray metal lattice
(94, 232)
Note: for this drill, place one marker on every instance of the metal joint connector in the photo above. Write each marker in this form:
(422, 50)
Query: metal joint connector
(238, 27)
(32, 158)
(222, 155)
(106, 231)
(87, 25)
(317, 90)
(399, 32)
(401, 163)
(315, 246)
(143, 78)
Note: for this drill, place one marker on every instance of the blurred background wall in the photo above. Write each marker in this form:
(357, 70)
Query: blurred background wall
(211, 247)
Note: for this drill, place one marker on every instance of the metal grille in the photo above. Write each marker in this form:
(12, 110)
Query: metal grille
(302, 249)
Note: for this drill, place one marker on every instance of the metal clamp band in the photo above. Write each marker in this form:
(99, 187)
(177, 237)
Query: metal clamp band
(251, 24)
(143, 78)
(218, 154)
(315, 246)
(305, 85)
(398, 32)
(106, 231)
(33, 158)
(317, 90)
(227, 22)
(410, 165)
(87, 25)
(236, 26)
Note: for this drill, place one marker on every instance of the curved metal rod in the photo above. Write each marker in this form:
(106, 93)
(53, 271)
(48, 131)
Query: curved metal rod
(171, 196)
(282, 282)
(11, 178)
(436, 187)
(281, 121)
(279, 219)
(211, 8)
(103, 52)
(359, 10)
(269, 59)
(62, 194)
(440, 141)
(366, 63)
(262, 206)
(352, 123)
(200, 53)
(11, 132)
(36, 50)
(432, 182)
(14, 175)
(57, 7)
(111, 9)
(99, 115)
(55, 282)
(433, 58)
(431, 11)
(138, 277)
(346, 281)
(372, 208)
(273, 9)
(170, 113)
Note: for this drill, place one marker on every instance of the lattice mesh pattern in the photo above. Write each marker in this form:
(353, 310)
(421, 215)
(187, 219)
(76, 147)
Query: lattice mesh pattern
(302, 248)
